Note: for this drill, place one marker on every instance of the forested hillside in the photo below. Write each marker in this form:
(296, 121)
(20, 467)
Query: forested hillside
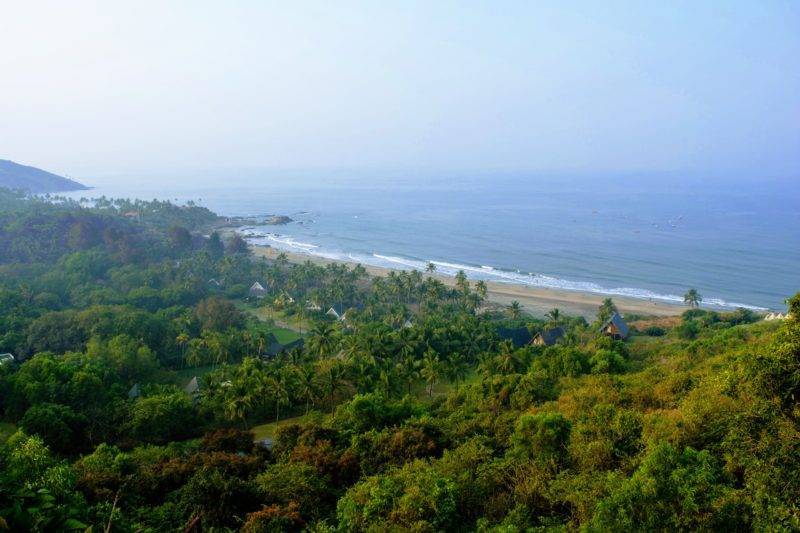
(155, 387)
(34, 180)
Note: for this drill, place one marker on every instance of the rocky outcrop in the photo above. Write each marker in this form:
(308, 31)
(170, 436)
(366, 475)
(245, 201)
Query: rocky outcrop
(278, 220)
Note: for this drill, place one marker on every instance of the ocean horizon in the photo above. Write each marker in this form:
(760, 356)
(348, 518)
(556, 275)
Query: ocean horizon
(738, 244)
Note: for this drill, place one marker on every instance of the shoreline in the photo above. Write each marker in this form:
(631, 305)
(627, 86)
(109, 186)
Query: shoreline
(535, 300)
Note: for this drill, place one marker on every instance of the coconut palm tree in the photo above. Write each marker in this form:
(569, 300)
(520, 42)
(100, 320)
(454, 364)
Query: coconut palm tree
(182, 340)
(456, 368)
(553, 317)
(430, 268)
(408, 371)
(332, 379)
(514, 310)
(279, 390)
(307, 386)
(607, 310)
(236, 406)
(481, 289)
(507, 358)
(431, 369)
(461, 282)
(322, 341)
(692, 298)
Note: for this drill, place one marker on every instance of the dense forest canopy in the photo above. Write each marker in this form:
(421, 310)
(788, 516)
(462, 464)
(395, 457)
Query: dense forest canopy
(155, 387)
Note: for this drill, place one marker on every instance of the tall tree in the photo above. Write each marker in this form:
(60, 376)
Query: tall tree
(553, 317)
(431, 369)
(606, 310)
(692, 298)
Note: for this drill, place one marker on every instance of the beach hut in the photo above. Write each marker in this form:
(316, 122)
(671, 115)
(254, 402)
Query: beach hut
(548, 337)
(257, 290)
(519, 337)
(276, 348)
(337, 311)
(7, 359)
(615, 327)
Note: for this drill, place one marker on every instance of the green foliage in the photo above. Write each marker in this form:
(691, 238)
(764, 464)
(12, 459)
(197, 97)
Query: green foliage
(417, 418)
(673, 490)
(541, 437)
(163, 418)
(415, 497)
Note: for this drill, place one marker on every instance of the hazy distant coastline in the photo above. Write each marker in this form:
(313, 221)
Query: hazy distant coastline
(34, 180)
(735, 245)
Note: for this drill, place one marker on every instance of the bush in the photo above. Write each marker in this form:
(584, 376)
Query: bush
(654, 331)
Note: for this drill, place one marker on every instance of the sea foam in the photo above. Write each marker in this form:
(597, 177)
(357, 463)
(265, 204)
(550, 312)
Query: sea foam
(483, 272)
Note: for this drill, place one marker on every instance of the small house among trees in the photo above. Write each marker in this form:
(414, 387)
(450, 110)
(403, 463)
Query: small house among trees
(6, 359)
(275, 348)
(134, 391)
(615, 327)
(519, 337)
(337, 311)
(257, 290)
(548, 337)
(193, 387)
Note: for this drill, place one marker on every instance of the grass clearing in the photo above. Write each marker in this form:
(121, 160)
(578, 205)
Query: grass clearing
(267, 431)
(182, 377)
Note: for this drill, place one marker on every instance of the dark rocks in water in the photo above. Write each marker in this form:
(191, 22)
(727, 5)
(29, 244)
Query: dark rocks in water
(278, 220)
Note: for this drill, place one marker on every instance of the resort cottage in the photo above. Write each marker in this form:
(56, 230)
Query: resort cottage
(193, 387)
(615, 327)
(548, 337)
(519, 337)
(337, 311)
(257, 290)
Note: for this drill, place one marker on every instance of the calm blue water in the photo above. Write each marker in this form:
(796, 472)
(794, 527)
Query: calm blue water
(737, 244)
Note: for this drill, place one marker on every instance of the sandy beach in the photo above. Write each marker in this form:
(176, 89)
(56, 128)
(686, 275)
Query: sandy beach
(535, 300)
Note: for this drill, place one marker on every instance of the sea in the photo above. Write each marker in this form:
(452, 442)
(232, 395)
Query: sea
(643, 236)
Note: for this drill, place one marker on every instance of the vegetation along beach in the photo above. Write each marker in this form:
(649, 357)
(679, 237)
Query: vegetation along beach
(425, 267)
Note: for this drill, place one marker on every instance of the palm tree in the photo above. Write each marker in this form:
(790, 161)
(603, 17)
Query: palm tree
(456, 368)
(487, 365)
(461, 282)
(332, 379)
(322, 339)
(307, 387)
(281, 261)
(507, 359)
(553, 317)
(279, 389)
(514, 310)
(431, 369)
(607, 310)
(408, 371)
(481, 289)
(692, 298)
(430, 268)
(236, 406)
(182, 340)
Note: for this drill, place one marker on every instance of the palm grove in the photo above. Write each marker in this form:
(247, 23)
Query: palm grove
(414, 412)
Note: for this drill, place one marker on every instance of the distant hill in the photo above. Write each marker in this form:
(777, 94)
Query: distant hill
(35, 180)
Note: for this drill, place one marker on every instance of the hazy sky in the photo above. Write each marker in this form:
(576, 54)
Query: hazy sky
(101, 87)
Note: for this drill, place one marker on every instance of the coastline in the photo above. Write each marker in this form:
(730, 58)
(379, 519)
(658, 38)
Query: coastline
(535, 300)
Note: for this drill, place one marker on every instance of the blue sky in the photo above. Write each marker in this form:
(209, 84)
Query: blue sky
(684, 87)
